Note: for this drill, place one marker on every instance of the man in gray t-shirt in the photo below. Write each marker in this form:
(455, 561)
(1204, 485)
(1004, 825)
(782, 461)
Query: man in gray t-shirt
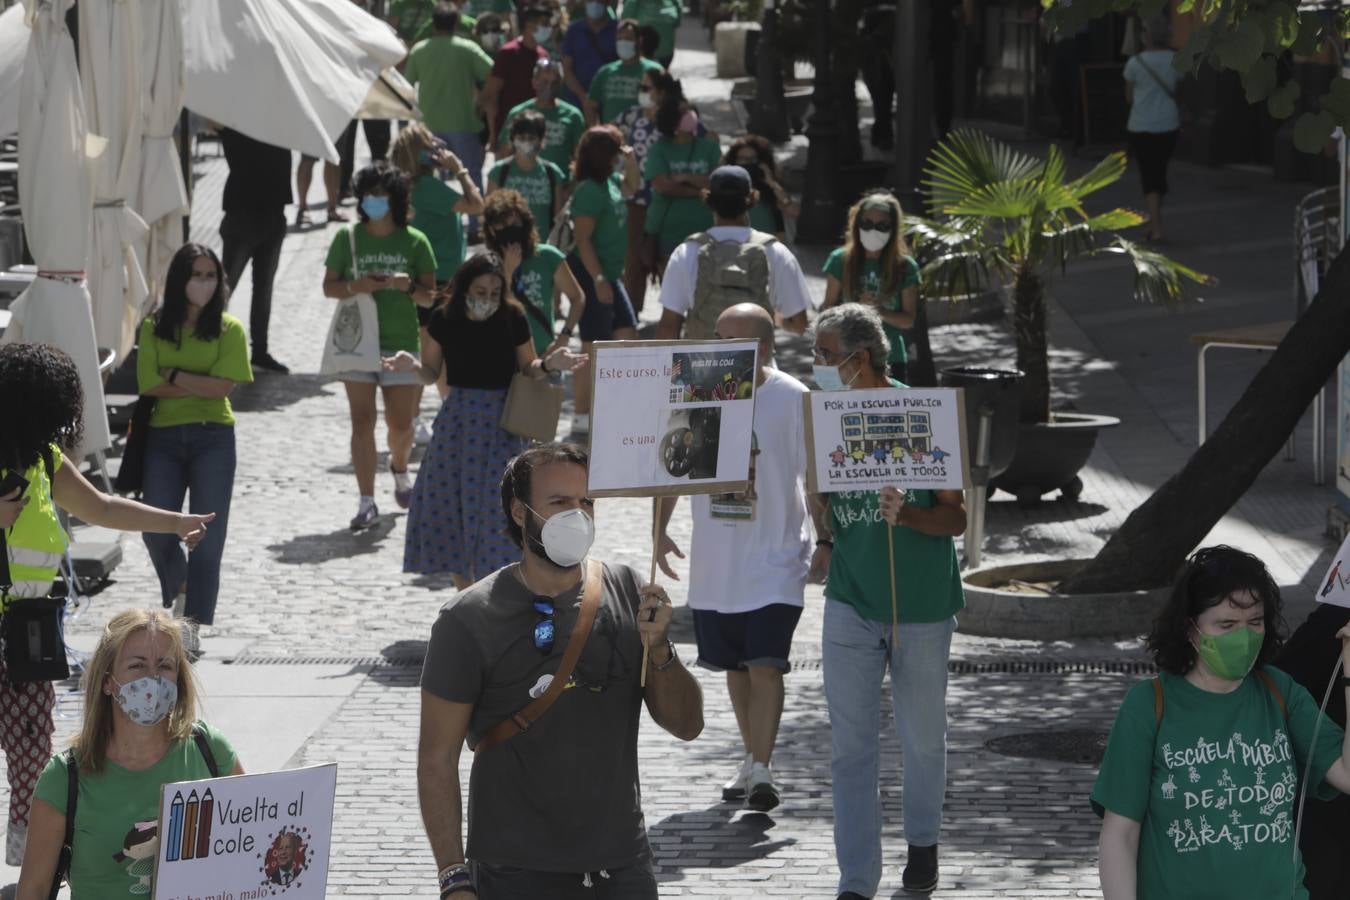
(554, 811)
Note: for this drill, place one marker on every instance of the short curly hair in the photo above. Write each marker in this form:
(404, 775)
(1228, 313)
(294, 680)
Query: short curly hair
(1212, 575)
(41, 403)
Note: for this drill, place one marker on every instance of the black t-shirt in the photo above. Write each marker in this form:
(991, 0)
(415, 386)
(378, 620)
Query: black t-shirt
(479, 354)
(260, 174)
(563, 796)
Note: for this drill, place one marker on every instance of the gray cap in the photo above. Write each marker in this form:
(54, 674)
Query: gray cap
(731, 180)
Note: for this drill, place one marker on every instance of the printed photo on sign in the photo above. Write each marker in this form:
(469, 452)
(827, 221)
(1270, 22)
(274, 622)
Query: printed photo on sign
(672, 417)
(902, 437)
(245, 836)
(712, 377)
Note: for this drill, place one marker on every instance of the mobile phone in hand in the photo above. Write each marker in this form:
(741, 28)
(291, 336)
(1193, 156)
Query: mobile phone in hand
(11, 483)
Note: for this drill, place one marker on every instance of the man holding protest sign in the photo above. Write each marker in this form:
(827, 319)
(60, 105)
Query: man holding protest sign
(556, 813)
(891, 597)
(748, 563)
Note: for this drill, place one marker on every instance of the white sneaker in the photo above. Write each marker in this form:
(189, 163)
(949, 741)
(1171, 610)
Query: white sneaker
(179, 604)
(421, 432)
(763, 792)
(735, 789)
(192, 641)
(581, 423)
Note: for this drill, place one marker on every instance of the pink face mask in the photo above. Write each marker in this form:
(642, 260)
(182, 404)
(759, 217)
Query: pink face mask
(201, 290)
(689, 122)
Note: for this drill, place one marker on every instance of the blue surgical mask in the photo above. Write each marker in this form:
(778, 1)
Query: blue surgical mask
(542, 34)
(828, 378)
(596, 10)
(375, 207)
(626, 49)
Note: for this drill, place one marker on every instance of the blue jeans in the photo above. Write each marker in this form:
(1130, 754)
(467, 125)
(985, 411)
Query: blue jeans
(197, 460)
(856, 653)
(468, 146)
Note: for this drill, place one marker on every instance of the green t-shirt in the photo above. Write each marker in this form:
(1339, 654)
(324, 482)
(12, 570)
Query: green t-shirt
(538, 186)
(478, 7)
(605, 204)
(765, 218)
(662, 15)
(563, 131)
(404, 250)
(871, 284)
(414, 20)
(224, 357)
(672, 219)
(1214, 785)
(116, 816)
(433, 207)
(447, 71)
(535, 281)
(615, 86)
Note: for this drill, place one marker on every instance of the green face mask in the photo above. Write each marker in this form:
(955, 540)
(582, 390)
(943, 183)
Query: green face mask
(1231, 655)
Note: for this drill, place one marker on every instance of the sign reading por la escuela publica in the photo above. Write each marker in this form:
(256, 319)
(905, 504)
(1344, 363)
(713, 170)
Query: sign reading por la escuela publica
(245, 837)
(864, 440)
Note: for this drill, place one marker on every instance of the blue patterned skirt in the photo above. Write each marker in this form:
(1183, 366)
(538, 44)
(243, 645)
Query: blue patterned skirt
(455, 523)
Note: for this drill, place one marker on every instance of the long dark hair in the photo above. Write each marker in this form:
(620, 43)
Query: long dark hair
(1212, 575)
(474, 267)
(173, 311)
(41, 403)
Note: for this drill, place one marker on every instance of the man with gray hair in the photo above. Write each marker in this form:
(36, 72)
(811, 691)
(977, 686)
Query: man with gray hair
(749, 558)
(892, 591)
(564, 123)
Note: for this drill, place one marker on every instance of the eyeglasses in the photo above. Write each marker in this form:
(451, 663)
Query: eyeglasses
(544, 630)
(872, 225)
(829, 357)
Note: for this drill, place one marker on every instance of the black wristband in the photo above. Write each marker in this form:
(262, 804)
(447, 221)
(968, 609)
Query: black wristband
(825, 542)
(565, 331)
(543, 365)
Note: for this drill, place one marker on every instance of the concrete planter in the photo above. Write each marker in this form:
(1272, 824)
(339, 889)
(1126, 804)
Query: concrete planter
(729, 47)
(994, 611)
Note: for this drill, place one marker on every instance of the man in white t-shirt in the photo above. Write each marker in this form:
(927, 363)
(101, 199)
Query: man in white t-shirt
(739, 265)
(748, 563)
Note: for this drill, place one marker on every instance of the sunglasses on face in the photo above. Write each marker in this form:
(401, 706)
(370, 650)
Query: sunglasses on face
(544, 631)
(873, 225)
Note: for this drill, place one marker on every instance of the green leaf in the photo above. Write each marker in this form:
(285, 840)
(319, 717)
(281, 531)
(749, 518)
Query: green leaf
(1158, 278)
(1259, 81)
(1240, 48)
(1308, 38)
(1312, 130)
(1114, 220)
(1283, 100)
(1283, 20)
(1336, 100)
(1188, 58)
(966, 161)
(1106, 172)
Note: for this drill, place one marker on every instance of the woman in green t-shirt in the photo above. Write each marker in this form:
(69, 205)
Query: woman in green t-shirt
(605, 175)
(891, 596)
(540, 272)
(875, 268)
(139, 732)
(1198, 788)
(397, 266)
(678, 165)
(190, 357)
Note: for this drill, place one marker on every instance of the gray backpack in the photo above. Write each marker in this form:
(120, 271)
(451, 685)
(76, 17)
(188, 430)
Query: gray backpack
(729, 272)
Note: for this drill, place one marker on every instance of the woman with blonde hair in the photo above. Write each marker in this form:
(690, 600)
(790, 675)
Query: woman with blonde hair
(140, 731)
(876, 268)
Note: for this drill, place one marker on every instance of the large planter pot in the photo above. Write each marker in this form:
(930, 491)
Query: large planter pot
(997, 608)
(729, 47)
(1050, 455)
(999, 390)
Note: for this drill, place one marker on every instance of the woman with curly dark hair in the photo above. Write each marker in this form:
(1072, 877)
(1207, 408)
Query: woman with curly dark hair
(397, 266)
(1198, 786)
(482, 338)
(754, 154)
(36, 477)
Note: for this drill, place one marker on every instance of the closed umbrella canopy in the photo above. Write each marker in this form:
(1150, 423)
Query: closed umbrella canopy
(13, 45)
(162, 199)
(111, 74)
(54, 189)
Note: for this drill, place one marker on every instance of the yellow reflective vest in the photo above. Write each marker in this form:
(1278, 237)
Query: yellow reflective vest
(36, 542)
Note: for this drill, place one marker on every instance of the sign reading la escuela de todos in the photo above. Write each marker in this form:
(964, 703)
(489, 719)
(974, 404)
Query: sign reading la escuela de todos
(864, 440)
(671, 417)
(245, 837)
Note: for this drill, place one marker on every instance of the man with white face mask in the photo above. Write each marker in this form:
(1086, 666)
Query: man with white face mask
(556, 812)
(564, 123)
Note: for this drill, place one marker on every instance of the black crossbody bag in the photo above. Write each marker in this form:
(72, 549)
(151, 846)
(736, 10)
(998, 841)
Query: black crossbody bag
(33, 629)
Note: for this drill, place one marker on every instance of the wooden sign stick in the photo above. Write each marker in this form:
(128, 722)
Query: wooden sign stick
(656, 540)
(895, 615)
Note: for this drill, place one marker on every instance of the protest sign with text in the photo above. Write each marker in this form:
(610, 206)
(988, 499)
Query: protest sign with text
(247, 836)
(1335, 585)
(671, 417)
(864, 440)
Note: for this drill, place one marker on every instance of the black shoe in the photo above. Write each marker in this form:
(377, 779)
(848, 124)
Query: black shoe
(266, 361)
(852, 895)
(921, 872)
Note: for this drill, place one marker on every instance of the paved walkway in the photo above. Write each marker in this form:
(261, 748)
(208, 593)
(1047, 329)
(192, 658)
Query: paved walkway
(314, 655)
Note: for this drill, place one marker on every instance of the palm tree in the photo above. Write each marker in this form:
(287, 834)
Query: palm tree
(1014, 217)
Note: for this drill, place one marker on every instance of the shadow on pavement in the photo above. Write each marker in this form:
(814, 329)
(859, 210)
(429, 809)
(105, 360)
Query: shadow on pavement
(316, 548)
(738, 838)
(1003, 512)
(270, 392)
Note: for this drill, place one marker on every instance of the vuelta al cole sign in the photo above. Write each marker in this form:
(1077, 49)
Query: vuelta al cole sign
(247, 836)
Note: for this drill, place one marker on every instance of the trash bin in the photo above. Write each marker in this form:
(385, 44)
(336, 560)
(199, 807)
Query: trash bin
(999, 390)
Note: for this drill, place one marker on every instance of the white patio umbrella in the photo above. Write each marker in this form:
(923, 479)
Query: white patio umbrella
(289, 72)
(162, 199)
(111, 74)
(54, 190)
(13, 44)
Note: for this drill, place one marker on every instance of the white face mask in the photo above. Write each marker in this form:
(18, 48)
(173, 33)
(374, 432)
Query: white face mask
(646, 100)
(201, 290)
(566, 537)
(146, 701)
(480, 310)
(525, 148)
(873, 241)
(828, 377)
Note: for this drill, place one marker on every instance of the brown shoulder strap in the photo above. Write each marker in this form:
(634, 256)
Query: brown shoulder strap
(1270, 684)
(1157, 701)
(520, 722)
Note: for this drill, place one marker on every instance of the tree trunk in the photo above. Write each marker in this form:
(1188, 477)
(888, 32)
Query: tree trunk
(1153, 543)
(1032, 356)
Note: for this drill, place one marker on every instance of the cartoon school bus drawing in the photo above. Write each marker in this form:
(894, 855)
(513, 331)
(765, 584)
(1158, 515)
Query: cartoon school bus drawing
(867, 431)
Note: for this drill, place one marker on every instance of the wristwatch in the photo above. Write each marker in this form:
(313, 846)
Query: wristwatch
(674, 657)
(565, 331)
